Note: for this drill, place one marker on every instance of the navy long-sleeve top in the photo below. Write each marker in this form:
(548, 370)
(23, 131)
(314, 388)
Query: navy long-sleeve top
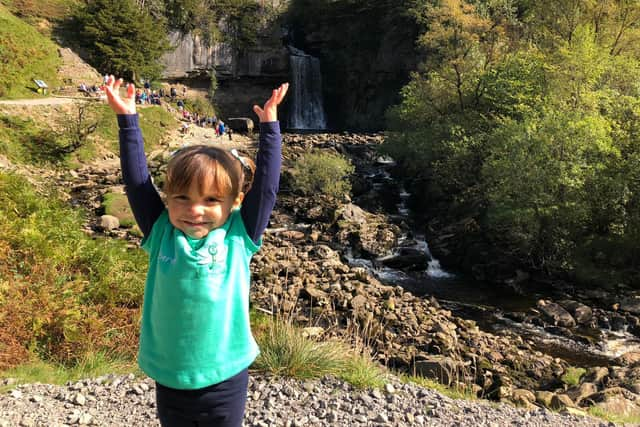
(147, 205)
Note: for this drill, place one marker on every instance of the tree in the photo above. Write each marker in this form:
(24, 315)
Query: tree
(121, 39)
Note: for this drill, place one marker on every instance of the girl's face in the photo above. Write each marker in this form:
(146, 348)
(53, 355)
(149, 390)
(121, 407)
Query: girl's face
(196, 213)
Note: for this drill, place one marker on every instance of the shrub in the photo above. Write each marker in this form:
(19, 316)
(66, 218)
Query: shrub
(63, 294)
(322, 172)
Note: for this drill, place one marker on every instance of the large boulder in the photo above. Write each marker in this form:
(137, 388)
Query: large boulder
(369, 235)
(240, 124)
(556, 314)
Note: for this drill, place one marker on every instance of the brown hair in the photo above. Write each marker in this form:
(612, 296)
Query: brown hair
(208, 165)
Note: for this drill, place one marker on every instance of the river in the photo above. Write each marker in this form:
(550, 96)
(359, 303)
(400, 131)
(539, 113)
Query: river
(494, 307)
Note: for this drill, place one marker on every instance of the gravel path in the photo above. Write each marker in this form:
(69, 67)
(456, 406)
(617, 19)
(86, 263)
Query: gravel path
(129, 401)
(38, 101)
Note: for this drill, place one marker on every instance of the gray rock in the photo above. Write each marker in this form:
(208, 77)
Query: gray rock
(109, 222)
(556, 314)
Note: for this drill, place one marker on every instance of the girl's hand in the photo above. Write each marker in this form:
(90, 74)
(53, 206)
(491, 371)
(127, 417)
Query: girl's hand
(118, 104)
(269, 113)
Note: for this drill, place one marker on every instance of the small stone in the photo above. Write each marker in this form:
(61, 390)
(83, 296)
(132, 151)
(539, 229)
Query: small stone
(109, 222)
(79, 399)
(85, 419)
(382, 418)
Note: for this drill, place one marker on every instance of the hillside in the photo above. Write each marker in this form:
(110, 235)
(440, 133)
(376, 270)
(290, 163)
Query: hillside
(27, 55)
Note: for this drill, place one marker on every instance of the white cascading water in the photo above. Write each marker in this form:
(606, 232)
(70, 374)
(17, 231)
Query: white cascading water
(306, 111)
(434, 269)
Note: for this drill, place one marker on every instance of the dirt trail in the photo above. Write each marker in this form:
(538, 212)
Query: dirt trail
(40, 101)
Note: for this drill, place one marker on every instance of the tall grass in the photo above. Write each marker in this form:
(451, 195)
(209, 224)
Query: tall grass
(63, 295)
(285, 351)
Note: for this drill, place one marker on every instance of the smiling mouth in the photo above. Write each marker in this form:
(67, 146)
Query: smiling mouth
(195, 224)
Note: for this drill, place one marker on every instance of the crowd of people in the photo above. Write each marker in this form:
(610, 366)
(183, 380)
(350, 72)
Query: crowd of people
(89, 90)
(201, 120)
(148, 96)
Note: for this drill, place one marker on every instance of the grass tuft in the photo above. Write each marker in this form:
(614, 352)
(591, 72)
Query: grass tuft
(286, 352)
(91, 365)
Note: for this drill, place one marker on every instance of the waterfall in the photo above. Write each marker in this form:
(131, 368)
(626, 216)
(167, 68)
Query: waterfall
(306, 109)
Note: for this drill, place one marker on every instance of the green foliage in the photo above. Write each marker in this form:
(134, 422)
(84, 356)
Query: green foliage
(213, 86)
(121, 39)
(117, 204)
(528, 123)
(26, 55)
(63, 295)
(454, 392)
(199, 105)
(20, 139)
(155, 122)
(91, 365)
(362, 372)
(76, 128)
(34, 10)
(572, 376)
(322, 172)
(232, 21)
(622, 419)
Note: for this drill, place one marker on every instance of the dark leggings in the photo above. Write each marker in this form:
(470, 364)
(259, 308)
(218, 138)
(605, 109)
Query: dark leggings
(219, 405)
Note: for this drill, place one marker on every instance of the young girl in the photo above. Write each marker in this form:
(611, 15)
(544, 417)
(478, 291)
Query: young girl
(195, 337)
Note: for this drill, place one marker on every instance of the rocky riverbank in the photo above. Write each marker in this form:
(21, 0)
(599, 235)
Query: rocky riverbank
(303, 272)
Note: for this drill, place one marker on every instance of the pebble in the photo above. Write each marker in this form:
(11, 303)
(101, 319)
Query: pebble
(129, 401)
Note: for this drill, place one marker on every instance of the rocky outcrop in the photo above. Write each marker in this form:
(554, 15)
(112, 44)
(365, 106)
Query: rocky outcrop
(244, 77)
(193, 58)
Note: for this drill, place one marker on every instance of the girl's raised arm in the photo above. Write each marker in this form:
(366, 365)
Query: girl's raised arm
(144, 199)
(261, 198)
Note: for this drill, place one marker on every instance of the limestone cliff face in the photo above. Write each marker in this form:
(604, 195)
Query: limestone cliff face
(244, 78)
(192, 58)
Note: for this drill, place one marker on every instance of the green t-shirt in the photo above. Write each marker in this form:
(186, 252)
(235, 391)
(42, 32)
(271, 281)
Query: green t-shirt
(195, 318)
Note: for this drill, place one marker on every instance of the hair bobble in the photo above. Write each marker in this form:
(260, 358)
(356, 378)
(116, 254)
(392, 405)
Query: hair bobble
(235, 154)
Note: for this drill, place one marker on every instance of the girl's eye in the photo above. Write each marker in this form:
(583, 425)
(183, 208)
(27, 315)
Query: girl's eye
(212, 200)
(181, 197)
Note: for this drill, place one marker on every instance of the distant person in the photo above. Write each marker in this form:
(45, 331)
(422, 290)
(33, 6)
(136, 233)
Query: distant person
(229, 132)
(195, 338)
(173, 93)
(180, 105)
(221, 128)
